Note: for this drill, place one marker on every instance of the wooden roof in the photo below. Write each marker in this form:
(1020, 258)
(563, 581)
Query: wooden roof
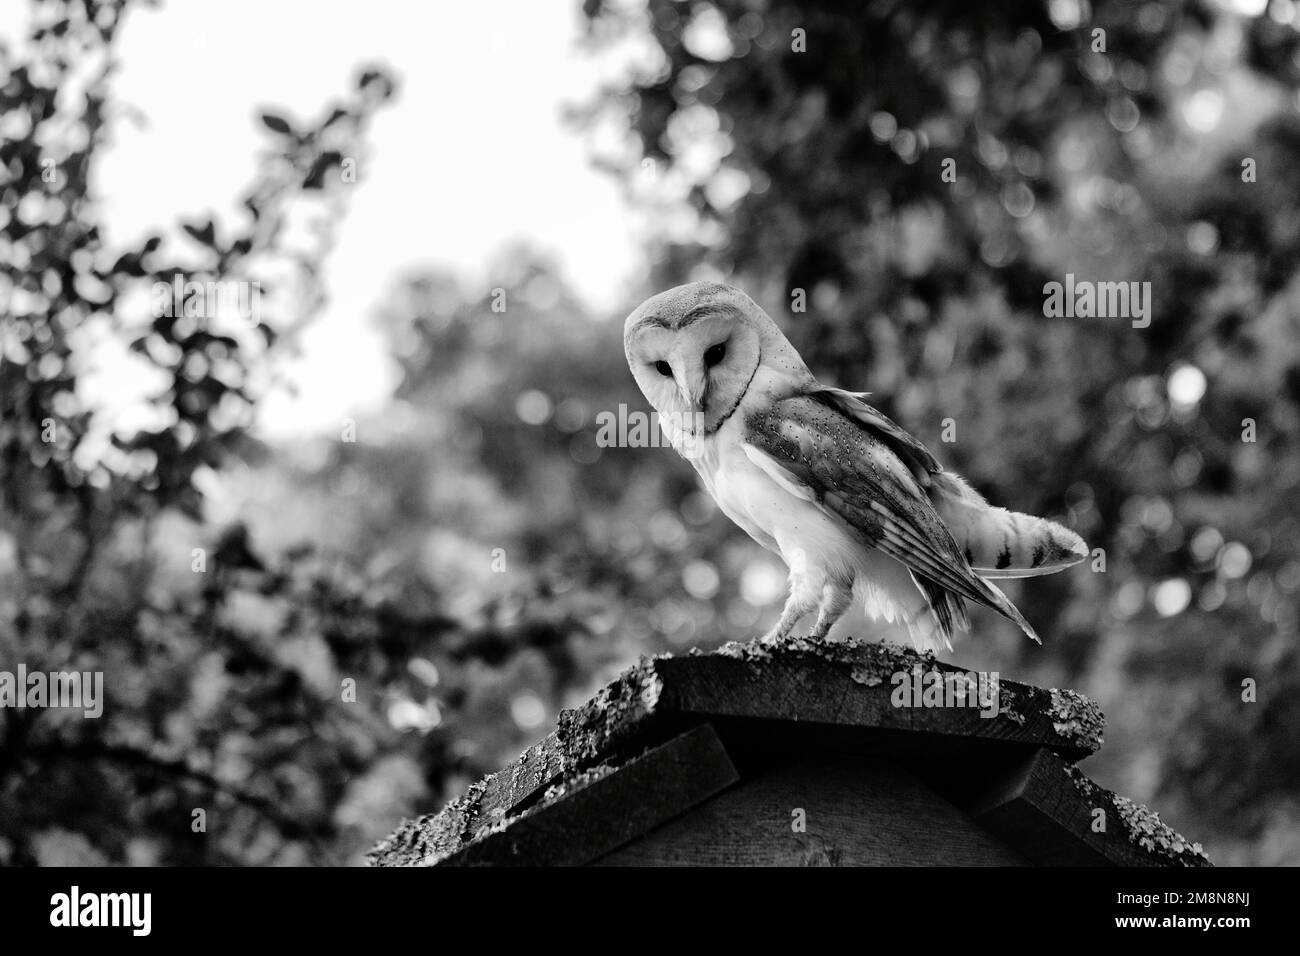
(674, 731)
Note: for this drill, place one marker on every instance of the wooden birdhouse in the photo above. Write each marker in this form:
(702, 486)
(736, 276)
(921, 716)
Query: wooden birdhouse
(801, 754)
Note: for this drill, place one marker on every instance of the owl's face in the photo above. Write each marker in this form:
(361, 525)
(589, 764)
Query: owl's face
(694, 356)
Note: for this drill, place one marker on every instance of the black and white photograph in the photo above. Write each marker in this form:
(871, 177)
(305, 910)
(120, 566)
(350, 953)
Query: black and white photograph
(649, 434)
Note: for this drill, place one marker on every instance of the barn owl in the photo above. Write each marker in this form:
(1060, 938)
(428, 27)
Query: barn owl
(857, 508)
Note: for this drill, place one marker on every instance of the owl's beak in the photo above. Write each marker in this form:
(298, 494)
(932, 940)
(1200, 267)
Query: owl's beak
(696, 396)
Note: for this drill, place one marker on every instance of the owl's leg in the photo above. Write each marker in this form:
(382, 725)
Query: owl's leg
(799, 603)
(806, 582)
(836, 598)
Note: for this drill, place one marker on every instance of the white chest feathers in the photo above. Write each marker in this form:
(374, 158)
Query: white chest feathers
(773, 512)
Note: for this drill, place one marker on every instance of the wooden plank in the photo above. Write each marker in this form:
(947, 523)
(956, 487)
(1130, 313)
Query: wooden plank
(536, 768)
(857, 811)
(798, 695)
(619, 720)
(423, 841)
(595, 812)
(1052, 812)
(820, 686)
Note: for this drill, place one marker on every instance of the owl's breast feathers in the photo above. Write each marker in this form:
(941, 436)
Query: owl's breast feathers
(743, 491)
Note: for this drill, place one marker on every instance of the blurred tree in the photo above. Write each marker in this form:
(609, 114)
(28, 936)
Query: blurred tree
(403, 607)
(917, 172)
(82, 489)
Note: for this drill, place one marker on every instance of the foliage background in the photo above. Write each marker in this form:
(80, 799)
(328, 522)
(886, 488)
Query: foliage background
(474, 561)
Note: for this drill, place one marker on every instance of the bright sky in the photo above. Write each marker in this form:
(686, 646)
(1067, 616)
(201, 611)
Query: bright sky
(472, 154)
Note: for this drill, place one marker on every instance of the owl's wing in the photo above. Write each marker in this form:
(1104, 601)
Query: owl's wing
(848, 467)
(852, 405)
(996, 543)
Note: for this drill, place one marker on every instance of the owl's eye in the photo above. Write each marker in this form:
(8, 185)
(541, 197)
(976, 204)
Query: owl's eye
(663, 368)
(715, 355)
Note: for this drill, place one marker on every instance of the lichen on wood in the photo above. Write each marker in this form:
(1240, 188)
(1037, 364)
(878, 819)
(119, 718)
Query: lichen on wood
(432, 836)
(614, 715)
(1076, 717)
(789, 681)
(1142, 826)
(586, 740)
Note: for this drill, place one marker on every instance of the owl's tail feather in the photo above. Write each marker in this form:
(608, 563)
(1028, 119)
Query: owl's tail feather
(1002, 604)
(946, 615)
(931, 614)
(999, 543)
